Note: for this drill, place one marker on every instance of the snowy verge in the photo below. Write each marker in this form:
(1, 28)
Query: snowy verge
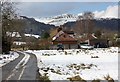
(6, 58)
(88, 64)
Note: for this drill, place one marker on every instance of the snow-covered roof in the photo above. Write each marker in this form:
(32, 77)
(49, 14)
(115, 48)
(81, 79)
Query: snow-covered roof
(36, 36)
(19, 42)
(57, 35)
(13, 34)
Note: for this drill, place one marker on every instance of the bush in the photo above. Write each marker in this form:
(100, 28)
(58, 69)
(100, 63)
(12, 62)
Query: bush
(44, 79)
(97, 80)
(46, 35)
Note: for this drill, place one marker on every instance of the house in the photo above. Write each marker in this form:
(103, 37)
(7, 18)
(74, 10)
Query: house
(90, 39)
(66, 38)
(86, 38)
(99, 43)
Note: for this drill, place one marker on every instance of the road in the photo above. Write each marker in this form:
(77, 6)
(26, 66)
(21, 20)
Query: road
(21, 70)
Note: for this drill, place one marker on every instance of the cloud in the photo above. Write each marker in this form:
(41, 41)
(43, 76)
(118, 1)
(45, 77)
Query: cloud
(110, 12)
(45, 9)
(48, 9)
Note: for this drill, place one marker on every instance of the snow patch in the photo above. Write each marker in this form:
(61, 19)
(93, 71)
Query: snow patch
(6, 58)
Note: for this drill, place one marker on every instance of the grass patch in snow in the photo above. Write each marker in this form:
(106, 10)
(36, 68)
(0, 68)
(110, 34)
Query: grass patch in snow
(76, 79)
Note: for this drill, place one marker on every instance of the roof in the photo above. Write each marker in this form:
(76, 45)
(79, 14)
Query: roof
(13, 34)
(88, 37)
(57, 35)
(64, 38)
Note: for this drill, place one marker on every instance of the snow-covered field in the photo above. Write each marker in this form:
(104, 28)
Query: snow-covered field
(88, 64)
(6, 58)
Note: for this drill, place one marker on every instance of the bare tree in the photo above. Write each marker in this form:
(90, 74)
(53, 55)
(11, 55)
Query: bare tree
(8, 15)
(79, 26)
(88, 17)
(84, 24)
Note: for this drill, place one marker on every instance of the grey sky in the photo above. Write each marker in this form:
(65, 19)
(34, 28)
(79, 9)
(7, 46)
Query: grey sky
(47, 9)
(41, 9)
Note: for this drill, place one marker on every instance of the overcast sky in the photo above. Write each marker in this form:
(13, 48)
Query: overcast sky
(47, 9)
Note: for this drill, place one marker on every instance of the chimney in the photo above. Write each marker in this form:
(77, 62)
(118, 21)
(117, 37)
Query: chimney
(59, 29)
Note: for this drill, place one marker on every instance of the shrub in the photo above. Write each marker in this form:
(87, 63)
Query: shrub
(65, 52)
(97, 80)
(76, 78)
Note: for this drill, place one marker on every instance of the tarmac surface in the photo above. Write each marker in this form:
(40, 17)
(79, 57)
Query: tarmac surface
(28, 72)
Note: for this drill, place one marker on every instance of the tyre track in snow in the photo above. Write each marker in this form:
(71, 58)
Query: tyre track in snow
(30, 72)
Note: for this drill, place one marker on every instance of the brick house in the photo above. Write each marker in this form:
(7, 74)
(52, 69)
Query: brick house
(94, 41)
(66, 38)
